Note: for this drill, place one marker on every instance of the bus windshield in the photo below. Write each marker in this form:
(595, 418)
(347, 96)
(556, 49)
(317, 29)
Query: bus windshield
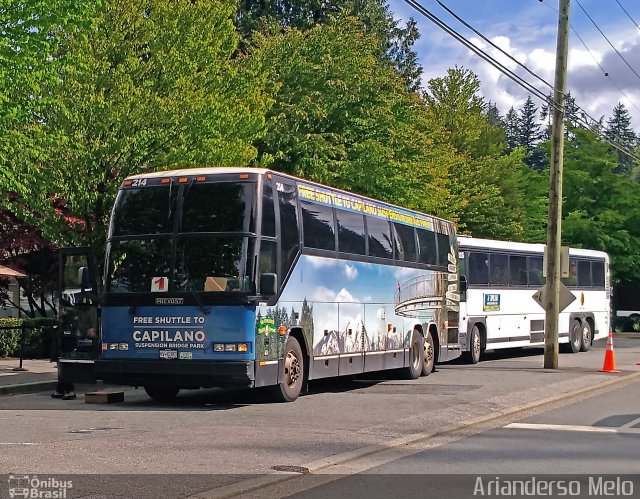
(207, 247)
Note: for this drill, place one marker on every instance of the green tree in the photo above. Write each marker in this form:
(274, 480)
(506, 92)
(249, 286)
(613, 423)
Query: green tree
(344, 118)
(620, 132)
(151, 85)
(484, 183)
(394, 42)
(601, 208)
(530, 135)
(32, 33)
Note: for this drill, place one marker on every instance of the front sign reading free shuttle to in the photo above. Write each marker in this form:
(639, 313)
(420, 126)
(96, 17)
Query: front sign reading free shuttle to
(168, 332)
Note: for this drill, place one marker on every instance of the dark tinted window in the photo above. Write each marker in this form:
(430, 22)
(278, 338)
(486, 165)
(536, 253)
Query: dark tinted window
(405, 241)
(317, 225)
(350, 232)
(518, 270)
(267, 261)
(289, 237)
(444, 247)
(572, 280)
(134, 264)
(584, 273)
(478, 272)
(268, 212)
(534, 269)
(427, 246)
(379, 237)
(221, 207)
(499, 269)
(597, 274)
(149, 210)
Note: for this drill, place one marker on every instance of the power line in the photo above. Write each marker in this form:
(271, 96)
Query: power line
(519, 80)
(604, 72)
(628, 15)
(608, 41)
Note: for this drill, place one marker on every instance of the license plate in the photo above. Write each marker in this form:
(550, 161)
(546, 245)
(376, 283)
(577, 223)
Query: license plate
(168, 354)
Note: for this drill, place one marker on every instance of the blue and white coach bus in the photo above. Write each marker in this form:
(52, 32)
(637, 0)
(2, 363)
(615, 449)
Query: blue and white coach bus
(249, 277)
(497, 309)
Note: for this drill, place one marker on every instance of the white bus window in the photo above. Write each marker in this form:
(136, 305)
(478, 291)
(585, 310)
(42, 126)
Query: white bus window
(584, 273)
(518, 270)
(478, 268)
(534, 269)
(597, 274)
(572, 280)
(499, 270)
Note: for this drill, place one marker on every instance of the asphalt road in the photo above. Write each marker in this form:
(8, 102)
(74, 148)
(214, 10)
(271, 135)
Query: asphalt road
(232, 440)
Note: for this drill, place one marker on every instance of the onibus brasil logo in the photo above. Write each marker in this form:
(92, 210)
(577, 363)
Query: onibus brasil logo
(38, 488)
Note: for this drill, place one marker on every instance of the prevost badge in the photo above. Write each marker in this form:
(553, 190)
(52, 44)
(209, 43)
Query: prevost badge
(169, 301)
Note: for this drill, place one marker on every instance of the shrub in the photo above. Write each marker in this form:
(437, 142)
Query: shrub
(37, 337)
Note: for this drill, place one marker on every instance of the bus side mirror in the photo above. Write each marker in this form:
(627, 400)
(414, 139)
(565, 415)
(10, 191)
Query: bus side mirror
(84, 279)
(268, 284)
(463, 283)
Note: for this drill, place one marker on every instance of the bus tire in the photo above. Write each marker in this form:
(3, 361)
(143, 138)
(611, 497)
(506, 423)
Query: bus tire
(575, 338)
(475, 342)
(416, 356)
(161, 393)
(587, 336)
(429, 362)
(293, 377)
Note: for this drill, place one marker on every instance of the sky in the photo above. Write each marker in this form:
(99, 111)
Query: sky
(527, 30)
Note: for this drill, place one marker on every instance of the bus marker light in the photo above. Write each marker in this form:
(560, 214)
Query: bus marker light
(127, 183)
(218, 347)
(262, 363)
(165, 181)
(244, 175)
(201, 179)
(229, 347)
(282, 331)
(105, 346)
(182, 180)
(243, 347)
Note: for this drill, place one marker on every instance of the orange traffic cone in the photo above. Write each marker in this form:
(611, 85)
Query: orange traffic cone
(609, 365)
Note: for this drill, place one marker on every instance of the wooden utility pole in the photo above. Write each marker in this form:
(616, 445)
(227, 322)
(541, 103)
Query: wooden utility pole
(554, 225)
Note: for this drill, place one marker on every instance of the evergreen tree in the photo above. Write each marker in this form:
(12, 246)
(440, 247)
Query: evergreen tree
(619, 131)
(511, 129)
(529, 134)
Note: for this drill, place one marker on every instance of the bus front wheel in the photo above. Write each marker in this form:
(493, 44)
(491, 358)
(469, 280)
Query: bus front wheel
(161, 393)
(293, 376)
(475, 347)
(575, 338)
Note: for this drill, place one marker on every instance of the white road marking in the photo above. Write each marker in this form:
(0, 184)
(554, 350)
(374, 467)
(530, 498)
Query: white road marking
(561, 427)
(8, 374)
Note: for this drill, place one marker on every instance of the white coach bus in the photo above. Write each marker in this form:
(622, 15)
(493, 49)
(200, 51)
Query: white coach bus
(497, 309)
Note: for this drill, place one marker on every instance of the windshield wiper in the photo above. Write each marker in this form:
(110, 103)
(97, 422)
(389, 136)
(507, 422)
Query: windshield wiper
(196, 295)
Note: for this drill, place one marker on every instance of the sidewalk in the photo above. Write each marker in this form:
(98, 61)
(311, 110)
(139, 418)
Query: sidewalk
(39, 375)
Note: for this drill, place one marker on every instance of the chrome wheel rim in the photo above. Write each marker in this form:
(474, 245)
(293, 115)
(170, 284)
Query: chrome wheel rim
(428, 353)
(291, 368)
(476, 345)
(586, 334)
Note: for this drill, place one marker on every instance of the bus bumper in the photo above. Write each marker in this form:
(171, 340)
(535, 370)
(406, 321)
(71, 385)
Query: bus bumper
(182, 374)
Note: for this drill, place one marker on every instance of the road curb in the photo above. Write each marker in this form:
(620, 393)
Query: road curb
(253, 484)
(37, 386)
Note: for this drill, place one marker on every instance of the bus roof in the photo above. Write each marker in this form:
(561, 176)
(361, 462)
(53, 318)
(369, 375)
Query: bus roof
(493, 244)
(222, 170)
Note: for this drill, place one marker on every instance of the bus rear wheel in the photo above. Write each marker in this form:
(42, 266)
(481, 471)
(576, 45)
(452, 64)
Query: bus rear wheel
(293, 377)
(416, 356)
(586, 337)
(575, 338)
(161, 393)
(429, 356)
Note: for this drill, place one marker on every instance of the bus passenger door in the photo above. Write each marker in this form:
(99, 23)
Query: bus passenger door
(77, 333)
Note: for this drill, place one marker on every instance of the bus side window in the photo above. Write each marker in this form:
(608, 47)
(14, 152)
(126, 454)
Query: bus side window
(597, 274)
(517, 270)
(317, 226)
(534, 266)
(405, 242)
(584, 273)
(478, 268)
(572, 280)
(379, 233)
(268, 213)
(499, 269)
(351, 232)
(427, 246)
(289, 236)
